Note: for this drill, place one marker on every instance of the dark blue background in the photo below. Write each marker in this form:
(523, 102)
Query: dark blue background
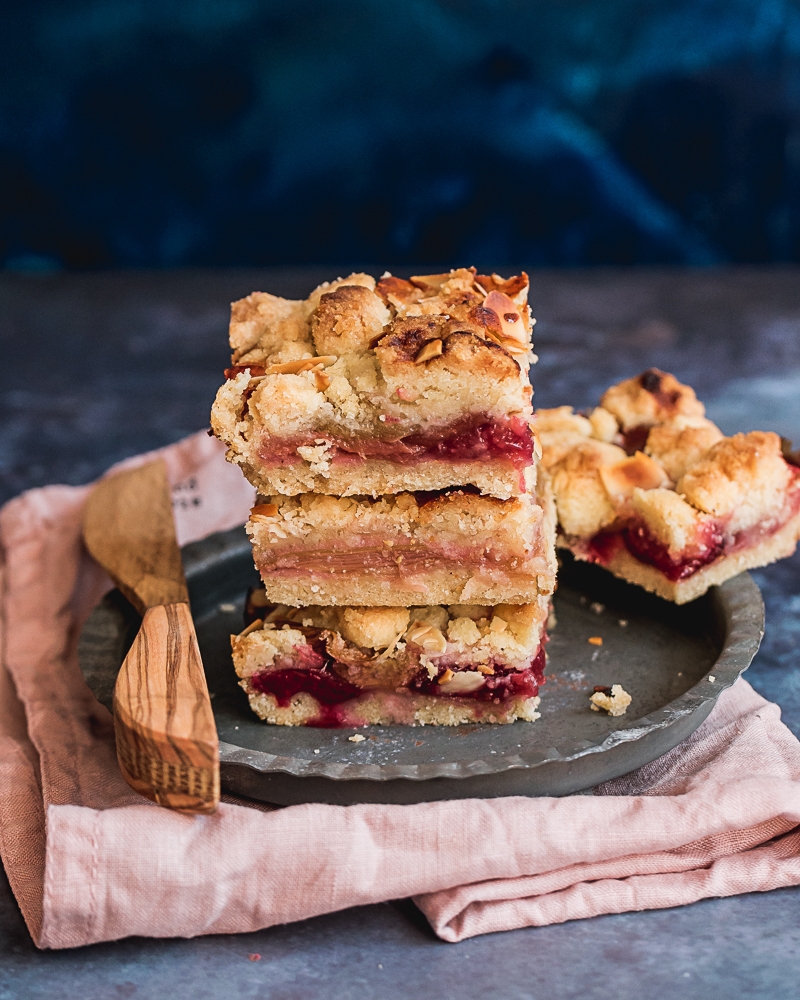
(186, 132)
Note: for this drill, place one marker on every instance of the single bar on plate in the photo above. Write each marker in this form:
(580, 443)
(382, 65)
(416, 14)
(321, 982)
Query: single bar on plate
(433, 665)
(652, 490)
(449, 547)
(367, 388)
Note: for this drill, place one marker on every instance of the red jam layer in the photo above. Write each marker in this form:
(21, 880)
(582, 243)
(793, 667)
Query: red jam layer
(497, 687)
(327, 687)
(330, 690)
(710, 543)
(647, 549)
(635, 438)
(473, 440)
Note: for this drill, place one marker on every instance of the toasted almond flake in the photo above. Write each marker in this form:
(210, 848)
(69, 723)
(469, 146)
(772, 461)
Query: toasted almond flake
(321, 380)
(596, 640)
(430, 638)
(264, 510)
(432, 349)
(448, 675)
(279, 611)
(486, 668)
(300, 365)
(357, 738)
(463, 682)
(508, 315)
(513, 346)
(417, 632)
(252, 627)
(391, 647)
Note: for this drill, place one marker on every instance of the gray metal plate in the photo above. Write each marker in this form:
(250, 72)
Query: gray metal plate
(664, 657)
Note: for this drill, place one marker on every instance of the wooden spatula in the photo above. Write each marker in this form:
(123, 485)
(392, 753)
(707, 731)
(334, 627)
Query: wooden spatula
(167, 742)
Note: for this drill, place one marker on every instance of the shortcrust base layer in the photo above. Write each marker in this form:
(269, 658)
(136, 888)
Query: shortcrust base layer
(383, 708)
(375, 477)
(622, 563)
(441, 587)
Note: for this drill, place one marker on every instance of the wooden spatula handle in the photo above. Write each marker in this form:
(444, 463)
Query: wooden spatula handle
(167, 743)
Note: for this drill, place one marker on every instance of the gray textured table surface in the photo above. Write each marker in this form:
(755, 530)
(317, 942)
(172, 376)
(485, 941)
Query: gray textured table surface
(98, 367)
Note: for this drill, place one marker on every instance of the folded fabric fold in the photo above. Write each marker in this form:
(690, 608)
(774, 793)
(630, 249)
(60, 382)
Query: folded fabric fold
(88, 860)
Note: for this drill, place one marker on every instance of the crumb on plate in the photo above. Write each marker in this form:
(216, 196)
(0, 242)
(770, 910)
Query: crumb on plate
(614, 699)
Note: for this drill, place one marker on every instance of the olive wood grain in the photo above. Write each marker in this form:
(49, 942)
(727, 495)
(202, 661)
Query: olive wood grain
(167, 744)
(129, 529)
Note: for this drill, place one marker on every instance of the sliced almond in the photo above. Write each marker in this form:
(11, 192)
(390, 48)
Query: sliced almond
(516, 287)
(321, 380)
(279, 611)
(509, 316)
(416, 633)
(448, 675)
(463, 682)
(432, 349)
(513, 346)
(264, 510)
(430, 638)
(300, 365)
(252, 627)
(434, 281)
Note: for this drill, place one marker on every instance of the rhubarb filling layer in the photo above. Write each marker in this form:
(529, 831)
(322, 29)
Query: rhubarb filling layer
(317, 676)
(396, 562)
(471, 440)
(711, 542)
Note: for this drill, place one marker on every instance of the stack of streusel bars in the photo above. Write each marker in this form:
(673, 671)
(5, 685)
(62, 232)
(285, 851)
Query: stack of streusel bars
(403, 533)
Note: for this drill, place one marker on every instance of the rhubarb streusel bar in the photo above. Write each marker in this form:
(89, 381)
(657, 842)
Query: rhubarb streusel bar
(369, 388)
(652, 490)
(323, 666)
(448, 547)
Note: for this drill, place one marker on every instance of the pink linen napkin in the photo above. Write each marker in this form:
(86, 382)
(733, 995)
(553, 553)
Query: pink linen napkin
(89, 860)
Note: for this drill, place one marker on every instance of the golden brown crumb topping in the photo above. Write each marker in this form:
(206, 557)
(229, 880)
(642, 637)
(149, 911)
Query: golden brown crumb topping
(688, 474)
(651, 398)
(360, 361)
